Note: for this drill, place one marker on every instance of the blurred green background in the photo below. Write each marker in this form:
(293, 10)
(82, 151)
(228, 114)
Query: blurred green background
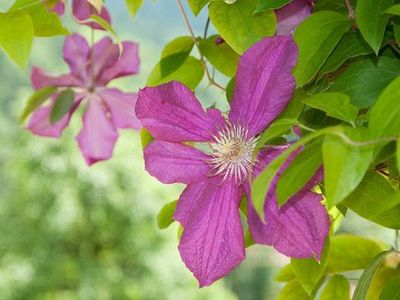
(68, 231)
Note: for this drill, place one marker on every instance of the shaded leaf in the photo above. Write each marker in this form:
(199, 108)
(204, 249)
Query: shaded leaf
(35, 100)
(62, 105)
(264, 5)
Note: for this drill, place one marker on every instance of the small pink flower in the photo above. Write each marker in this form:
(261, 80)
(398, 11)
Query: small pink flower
(212, 242)
(292, 14)
(108, 109)
(82, 10)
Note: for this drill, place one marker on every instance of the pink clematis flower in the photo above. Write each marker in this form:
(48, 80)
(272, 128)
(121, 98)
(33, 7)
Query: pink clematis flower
(291, 15)
(212, 242)
(82, 10)
(108, 109)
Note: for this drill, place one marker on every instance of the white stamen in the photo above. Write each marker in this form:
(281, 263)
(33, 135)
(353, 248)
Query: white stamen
(232, 152)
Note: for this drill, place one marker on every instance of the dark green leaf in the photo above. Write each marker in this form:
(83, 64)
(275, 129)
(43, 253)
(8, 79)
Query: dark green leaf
(62, 105)
(376, 200)
(175, 54)
(338, 288)
(264, 5)
(391, 291)
(393, 10)
(336, 105)
(316, 38)
(299, 172)
(333, 5)
(35, 100)
(363, 81)
(372, 21)
(238, 25)
(229, 89)
(365, 280)
(165, 215)
(221, 56)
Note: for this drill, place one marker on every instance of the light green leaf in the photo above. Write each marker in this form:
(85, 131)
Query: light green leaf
(133, 6)
(264, 5)
(398, 154)
(293, 291)
(316, 38)
(146, 137)
(197, 5)
(333, 5)
(62, 105)
(351, 45)
(309, 271)
(384, 116)
(45, 22)
(350, 253)
(221, 56)
(35, 100)
(393, 10)
(277, 128)
(372, 21)
(391, 291)
(336, 105)
(165, 215)
(16, 36)
(189, 73)
(285, 274)
(175, 54)
(345, 165)
(365, 280)
(299, 172)
(338, 288)
(238, 25)
(103, 23)
(382, 276)
(376, 200)
(363, 81)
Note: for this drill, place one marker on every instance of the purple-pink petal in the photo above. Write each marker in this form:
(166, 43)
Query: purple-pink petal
(299, 228)
(127, 64)
(121, 107)
(98, 135)
(82, 10)
(59, 8)
(212, 243)
(175, 162)
(264, 83)
(172, 113)
(105, 55)
(40, 80)
(77, 55)
(291, 15)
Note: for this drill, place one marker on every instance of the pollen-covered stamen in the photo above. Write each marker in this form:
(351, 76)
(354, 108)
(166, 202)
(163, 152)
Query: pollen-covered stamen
(232, 152)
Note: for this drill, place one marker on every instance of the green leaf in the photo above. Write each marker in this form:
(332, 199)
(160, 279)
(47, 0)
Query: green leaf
(133, 6)
(338, 288)
(365, 280)
(382, 276)
(350, 46)
(197, 5)
(333, 5)
(221, 56)
(35, 100)
(363, 81)
(316, 38)
(238, 25)
(248, 239)
(229, 89)
(398, 154)
(146, 137)
(165, 215)
(299, 172)
(309, 271)
(345, 165)
(336, 105)
(391, 291)
(295, 106)
(350, 253)
(264, 5)
(376, 200)
(16, 36)
(62, 105)
(372, 21)
(396, 32)
(393, 10)
(175, 54)
(384, 116)
(285, 274)
(293, 291)
(189, 73)
(103, 23)
(277, 128)
(45, 22)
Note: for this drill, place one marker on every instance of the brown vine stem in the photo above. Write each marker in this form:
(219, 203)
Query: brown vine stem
(203, 61)
(350, 8)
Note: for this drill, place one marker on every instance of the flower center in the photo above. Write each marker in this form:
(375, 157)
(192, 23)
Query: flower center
(232, 152)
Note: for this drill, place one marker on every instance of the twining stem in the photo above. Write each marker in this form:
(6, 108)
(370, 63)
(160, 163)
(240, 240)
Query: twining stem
(350, 8)
(196, 43)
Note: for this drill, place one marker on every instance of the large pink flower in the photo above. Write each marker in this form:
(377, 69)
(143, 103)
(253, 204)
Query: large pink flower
(82, 10)
(292, 14)
(108, 109)
(212, 243)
